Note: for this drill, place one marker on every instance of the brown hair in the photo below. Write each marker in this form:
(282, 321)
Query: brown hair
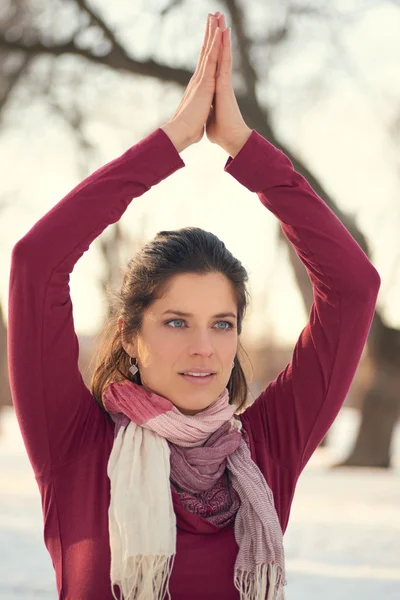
(187, 250)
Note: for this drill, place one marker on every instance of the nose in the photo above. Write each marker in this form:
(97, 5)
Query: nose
(201, 343)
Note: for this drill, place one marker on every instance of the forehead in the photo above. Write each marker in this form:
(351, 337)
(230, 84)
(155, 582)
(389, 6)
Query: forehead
(211, 291)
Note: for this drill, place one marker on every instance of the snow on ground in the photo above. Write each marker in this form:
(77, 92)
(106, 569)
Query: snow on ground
(342, 543)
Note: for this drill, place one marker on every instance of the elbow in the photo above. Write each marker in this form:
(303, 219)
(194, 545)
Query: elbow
(369, 285)
(19, 252)
(374, 281)
(363, 281)
(23, 261)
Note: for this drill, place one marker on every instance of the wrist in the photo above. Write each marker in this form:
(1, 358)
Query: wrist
(234, 146)
(176, 135)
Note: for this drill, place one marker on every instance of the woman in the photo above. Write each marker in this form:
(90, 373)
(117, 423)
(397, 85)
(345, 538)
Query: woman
(160, 488)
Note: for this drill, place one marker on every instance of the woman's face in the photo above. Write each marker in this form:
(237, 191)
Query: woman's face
(192, 328)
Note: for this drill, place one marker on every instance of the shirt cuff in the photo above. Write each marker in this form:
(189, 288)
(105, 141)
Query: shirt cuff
(259, 165)
(158, 157)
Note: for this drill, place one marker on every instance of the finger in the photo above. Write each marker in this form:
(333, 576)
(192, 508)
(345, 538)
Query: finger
(222, 26)
(213, 24)
(225, 59)
(221, 22)
(212, 56)
(206, 42)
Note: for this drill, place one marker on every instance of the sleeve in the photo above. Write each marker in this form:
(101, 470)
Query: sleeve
(293, 414)
(57, 414)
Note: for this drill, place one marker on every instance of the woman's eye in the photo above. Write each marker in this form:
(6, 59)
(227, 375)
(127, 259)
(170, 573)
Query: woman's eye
(226, 323)
(175, 321)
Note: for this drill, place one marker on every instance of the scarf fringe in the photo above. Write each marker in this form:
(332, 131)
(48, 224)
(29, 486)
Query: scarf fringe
(254, 586)
(146, 578)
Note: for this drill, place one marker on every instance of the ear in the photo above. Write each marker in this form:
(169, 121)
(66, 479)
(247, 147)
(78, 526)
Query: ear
(128, 346)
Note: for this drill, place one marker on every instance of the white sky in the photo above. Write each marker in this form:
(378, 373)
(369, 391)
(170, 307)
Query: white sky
(340, 135)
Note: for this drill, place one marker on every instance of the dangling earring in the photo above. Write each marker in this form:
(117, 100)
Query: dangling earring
(133, 368)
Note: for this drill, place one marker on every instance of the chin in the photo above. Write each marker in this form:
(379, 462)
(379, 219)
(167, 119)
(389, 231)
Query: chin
(196, 407)
(190, 400)
(189, 412)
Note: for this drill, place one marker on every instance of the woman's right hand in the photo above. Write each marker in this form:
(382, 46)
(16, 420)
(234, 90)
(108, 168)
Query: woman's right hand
(186, 126)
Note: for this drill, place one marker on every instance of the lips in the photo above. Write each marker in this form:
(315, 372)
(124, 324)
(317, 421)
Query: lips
(199, 379)
(199, 370)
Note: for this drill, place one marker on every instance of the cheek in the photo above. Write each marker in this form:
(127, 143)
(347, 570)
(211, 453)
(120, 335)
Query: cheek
(227, 348)
(161, 347)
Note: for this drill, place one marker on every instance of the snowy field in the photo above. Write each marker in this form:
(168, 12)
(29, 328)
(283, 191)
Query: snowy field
(342, 543)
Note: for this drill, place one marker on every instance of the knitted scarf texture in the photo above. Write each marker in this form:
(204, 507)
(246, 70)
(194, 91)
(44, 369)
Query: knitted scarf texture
(156, 447)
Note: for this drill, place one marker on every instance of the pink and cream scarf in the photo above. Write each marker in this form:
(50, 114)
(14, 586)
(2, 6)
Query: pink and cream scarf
(156, 444)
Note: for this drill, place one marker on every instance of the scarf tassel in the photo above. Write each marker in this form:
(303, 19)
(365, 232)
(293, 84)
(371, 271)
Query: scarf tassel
(254, 587)
(146, 578)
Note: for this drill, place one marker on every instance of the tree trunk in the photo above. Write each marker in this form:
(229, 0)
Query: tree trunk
(5, 392)
(380, 409)
(379, 416)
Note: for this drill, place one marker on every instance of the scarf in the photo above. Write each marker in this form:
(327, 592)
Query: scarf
(155, 444)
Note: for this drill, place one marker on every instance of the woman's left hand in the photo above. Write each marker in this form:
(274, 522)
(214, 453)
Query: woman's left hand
(225, 125)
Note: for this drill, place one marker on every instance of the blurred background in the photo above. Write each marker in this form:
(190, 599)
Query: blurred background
(80, 82)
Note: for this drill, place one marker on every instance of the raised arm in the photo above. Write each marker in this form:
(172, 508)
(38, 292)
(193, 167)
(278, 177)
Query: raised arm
(57, 414)
(293, 414)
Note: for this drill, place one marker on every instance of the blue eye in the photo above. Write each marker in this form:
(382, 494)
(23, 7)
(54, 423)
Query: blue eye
(175, 321)
(227, 323)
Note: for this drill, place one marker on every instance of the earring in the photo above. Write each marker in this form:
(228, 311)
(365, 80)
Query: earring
(233, 365)
(133, 368)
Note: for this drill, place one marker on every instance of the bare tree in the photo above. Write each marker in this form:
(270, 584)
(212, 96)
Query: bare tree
(26, 40)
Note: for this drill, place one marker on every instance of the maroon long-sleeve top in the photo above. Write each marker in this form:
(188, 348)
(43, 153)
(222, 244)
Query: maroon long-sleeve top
(67, 436)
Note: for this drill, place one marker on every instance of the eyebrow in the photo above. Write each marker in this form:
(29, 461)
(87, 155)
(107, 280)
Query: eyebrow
(184, 314)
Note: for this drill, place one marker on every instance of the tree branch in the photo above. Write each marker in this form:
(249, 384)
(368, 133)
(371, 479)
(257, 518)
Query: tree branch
(11, 80)
(255, 116)
(96, 20)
